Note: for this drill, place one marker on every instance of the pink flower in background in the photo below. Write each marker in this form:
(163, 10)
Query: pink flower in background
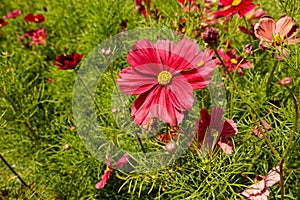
(142, 6)
(39, 36)
(211, 127)
(109, 167)
(258, 190)
(256, 131)
(164, 76)
(232, 61)
(39, 18)
(241, 7)
(276, 34)
(12, 14)
(255, 14)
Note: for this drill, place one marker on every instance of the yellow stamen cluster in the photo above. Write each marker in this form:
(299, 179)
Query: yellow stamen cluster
(40, 38)
(164, 78)
(236, 2)
(234, 61)
(36, 19)
(201, 63)
(278, 39)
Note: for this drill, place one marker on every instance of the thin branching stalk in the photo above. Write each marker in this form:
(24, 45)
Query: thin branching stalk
(249, 109)
(18, 176)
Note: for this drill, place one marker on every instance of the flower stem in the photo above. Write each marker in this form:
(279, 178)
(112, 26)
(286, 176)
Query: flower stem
(270, 77)
(140, 141)
(18, 176)
(291, 139)
(281, 179)
(249, 109)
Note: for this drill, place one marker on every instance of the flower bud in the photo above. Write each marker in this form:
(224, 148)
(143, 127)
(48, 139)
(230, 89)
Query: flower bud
(248, 49)
(73, 128)
(171, 147)
(67, 147)
(211, 37)
(285, 81)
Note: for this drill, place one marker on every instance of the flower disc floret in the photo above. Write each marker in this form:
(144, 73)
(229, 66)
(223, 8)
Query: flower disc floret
(164, 78)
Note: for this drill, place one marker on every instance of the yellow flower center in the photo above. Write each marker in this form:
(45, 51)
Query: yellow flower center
(164, 78)
(36, 19)
(249, 16)
(236, 2)
(201, 63)
(278, 39)
(0, 25)
(234, 61)
(40, 38)
(183, 30)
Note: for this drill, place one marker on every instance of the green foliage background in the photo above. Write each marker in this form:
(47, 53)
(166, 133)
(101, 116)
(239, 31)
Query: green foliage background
(36, 114)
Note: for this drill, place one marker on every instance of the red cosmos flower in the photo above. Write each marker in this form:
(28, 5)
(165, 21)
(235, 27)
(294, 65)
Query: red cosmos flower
(142, 6)
(258, 190)
(119, 164)
(212, 127)
(232, 61)
(39, 18)
(276, 34)
(3, 23)
(242, 7)
(65, 62)
(12, 14)
(39, 36)
(164, 76)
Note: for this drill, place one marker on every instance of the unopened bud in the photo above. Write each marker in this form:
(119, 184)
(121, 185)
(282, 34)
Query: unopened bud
(285, 81)
(171, 147)
(211, 37)
(67, 147)
(248, 49)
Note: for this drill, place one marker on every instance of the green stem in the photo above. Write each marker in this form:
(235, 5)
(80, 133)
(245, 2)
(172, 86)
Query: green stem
(268, 87)
(249, 109)
(291, 139)
(18, 176)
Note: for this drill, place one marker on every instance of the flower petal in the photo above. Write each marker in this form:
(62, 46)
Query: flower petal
(143, 52)
(229, 128)
(265, 28)
(273, 176)
(225, 145)
(122, 161)
(104, 179)
(285, 25)
(140, 79)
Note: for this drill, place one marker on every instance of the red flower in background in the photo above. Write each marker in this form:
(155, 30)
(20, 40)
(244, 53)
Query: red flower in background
(232, 61)
(164, 76)
(12, 14)
(39, 18)
(211, 127)
(3, 23)
(258, 190)
(242, 7)
(123, 160)
(142, 6)
(65, 62)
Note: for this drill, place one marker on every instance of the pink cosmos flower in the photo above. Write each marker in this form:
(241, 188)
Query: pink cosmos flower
(119, 164)
(39, 36)
(232, 61)
(242, 7)
(142, 6)
(276, 34)
(258, 190)
(12, 14)
(256, 129)
(164, 76)
(211, 127)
